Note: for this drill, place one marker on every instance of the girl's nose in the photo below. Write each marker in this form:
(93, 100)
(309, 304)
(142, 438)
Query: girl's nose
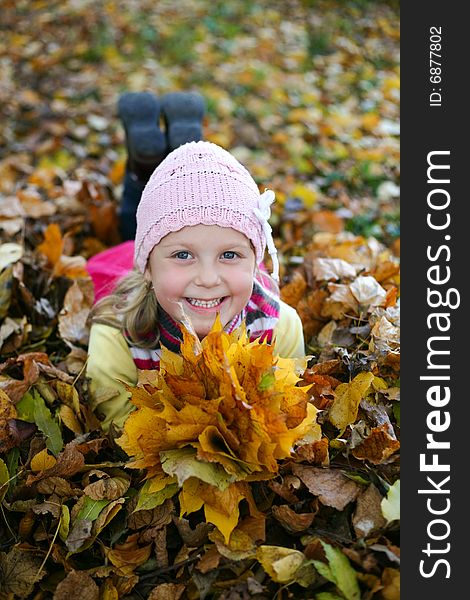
(207, 276)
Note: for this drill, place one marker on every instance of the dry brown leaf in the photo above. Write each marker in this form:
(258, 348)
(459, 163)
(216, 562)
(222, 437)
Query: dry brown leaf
(385, 270)
(167, 591)
(291, 521)
(58, 486)
(128, 556)
(331, 486)
(328, 367)
(340, 302)
(77, 582)
(33, 205)
(156, 517)
(377, 446)
(51, 506)
(385, 336)
(19, 571)
(286, 487)
(104, 220)
(191, 537)
(53, 244)
(33, 364)
(315, 453)
(53, 247)
(108, 488)
(321, 384)
(10, 206)
(368, 515)
(69, 462)
(210, 560)
(310, 312)
(7, 412)
(73, 326)
(161, 547)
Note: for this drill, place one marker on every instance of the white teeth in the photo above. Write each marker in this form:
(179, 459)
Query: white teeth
(204, 303)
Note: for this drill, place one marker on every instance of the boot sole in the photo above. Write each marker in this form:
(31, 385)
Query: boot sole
(140, 114)
(183, 113)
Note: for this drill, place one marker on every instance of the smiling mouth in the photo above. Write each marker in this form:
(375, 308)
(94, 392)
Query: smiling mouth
(205, 303)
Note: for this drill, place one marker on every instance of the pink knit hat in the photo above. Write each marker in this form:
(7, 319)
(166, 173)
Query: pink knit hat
(200, 183)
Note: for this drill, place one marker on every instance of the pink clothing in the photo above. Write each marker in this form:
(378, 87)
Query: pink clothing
(105, 268)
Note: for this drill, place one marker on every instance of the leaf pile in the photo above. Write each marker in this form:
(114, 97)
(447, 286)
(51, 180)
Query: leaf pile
(216, 418)
(306, 94)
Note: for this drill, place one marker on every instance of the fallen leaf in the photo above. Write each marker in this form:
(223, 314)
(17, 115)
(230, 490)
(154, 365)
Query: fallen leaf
(73, 318)
(331, 486)
(19, 571)
(347, 398)
(391, 503)
(339, 571)
(291, 520)
(69, 462)
(108, 488)
(368, 516)
(280, 563)
(128, 555)
(10, 253)
(333, 269)
(167, 591)
(377, 446)
(74, 581)
(7, 412)
(368, 291)
(4, 480)
(42, 461)
(391, 584)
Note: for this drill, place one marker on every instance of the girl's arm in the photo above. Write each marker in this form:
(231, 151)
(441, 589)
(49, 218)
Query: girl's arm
(110, 363)
(289, 336)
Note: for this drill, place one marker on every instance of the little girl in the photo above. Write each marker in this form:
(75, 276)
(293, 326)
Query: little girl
(202, 230)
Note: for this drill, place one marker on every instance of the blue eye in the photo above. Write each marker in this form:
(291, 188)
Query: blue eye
(182, 255)
(229, 255)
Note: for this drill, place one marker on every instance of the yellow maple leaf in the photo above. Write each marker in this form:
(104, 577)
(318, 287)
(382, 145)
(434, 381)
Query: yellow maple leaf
(347, 398)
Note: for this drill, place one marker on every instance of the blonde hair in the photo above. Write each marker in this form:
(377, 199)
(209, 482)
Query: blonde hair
(132, 307)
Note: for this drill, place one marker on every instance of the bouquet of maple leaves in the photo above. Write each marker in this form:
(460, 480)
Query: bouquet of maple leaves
(216, 417)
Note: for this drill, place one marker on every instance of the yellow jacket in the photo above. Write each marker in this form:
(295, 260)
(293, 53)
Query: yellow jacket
(110, 363)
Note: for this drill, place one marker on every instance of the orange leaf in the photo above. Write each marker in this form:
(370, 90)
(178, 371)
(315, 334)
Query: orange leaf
(128, 556)
(377, 446)
(53, 244)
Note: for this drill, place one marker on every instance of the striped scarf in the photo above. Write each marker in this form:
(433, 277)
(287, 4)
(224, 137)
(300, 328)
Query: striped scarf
(261, 315)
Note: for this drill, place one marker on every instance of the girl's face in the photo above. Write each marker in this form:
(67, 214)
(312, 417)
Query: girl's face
(203, 270)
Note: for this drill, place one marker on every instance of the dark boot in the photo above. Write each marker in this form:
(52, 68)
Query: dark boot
(146, 148)
(146, 143)
(183, 113)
